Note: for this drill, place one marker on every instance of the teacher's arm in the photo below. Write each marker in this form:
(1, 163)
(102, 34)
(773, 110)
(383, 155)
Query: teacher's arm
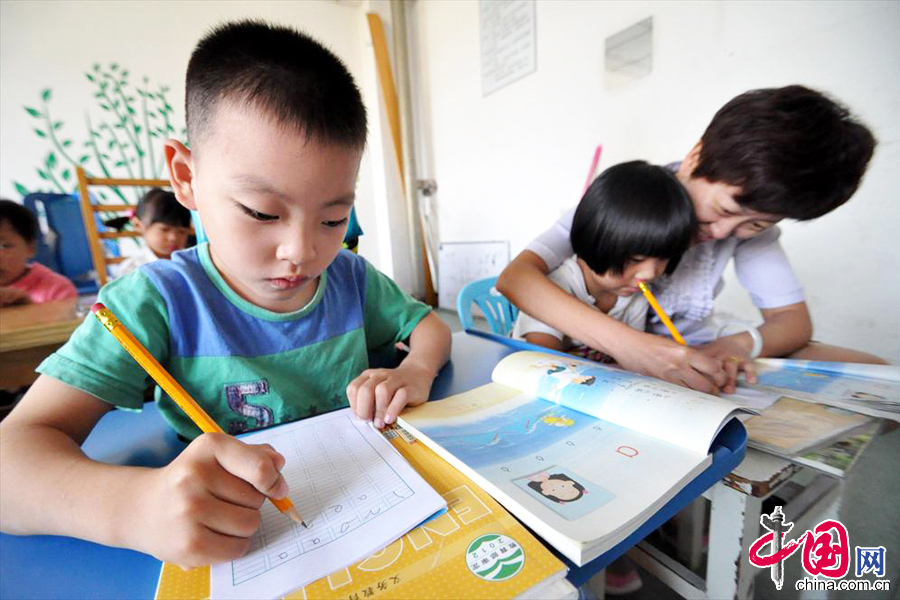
(524, 281)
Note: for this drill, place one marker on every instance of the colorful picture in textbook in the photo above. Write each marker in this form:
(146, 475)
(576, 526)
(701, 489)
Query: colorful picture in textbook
(568, 494)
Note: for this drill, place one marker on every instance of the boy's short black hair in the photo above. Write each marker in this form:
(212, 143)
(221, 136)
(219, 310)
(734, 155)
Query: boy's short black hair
(156, 206)
(280, 71)
(793, 151)
(20, 219)
(632, 209)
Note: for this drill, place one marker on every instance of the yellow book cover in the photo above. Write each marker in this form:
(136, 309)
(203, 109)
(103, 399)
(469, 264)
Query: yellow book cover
(476, 550)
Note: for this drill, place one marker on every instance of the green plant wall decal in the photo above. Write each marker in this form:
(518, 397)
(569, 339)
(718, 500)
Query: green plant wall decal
(126, 141)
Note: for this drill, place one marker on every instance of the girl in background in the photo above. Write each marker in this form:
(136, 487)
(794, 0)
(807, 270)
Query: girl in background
(164, 224)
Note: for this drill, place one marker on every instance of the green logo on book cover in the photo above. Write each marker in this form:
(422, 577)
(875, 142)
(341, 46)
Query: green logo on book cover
(495, 557)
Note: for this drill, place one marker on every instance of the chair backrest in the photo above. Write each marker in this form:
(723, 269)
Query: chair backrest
(96, 237)
(500, 313)
(62, 243)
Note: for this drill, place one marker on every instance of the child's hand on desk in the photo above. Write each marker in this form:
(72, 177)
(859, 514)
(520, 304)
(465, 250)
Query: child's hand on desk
(381, 394)
(203, 507)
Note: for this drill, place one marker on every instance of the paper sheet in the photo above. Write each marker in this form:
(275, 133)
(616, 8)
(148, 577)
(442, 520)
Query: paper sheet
(355, 492)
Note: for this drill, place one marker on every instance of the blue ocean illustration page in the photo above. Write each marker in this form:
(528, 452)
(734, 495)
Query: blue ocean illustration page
(662, 410)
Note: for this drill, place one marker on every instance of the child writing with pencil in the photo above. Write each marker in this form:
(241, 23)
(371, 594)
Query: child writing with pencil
(632, 225)
(268, 322)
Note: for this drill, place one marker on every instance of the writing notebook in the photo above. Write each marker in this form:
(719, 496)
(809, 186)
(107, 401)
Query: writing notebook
(355, 493)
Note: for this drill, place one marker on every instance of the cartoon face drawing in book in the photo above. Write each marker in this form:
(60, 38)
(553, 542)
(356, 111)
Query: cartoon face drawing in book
(569, 494)
(558, 487)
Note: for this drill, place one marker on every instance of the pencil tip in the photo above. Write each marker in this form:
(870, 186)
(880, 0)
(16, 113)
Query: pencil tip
(295, 516)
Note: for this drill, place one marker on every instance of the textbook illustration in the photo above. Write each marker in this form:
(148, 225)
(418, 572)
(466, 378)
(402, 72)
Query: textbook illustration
(580, 452)
(475, 549)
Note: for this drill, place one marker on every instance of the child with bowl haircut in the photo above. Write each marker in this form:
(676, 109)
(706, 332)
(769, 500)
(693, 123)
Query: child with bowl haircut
(633, 224)
(268, 322)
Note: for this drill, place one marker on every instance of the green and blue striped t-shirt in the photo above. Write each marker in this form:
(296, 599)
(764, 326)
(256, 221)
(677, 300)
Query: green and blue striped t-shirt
(248, 367)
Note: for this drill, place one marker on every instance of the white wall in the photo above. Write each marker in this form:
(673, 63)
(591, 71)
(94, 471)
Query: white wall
(52, 44)
(507, 165)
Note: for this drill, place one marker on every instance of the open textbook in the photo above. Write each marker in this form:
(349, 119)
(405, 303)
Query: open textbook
(581, 453)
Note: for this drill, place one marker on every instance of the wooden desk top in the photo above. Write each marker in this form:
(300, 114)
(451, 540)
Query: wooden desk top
(34, 325)
(760, 473)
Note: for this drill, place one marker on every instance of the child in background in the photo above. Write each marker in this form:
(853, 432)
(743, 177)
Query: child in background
(164, 224)
(21, 281)
(633, 223)
(268, 322)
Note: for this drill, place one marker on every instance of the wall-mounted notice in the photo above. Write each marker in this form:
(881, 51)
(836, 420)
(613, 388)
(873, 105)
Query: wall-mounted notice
(507, 42)
(460, 263)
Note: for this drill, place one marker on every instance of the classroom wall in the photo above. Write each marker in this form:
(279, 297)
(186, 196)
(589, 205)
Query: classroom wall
(53, 44)
(508, 164)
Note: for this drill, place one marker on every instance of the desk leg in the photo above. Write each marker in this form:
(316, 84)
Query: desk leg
(691, 527)
(733, 526)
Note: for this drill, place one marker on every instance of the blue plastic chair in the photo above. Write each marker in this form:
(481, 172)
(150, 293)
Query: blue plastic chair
(500, 313)
(62, 242)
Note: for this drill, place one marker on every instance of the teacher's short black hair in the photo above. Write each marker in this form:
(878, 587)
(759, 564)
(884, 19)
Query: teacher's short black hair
(632, 209)
(20, 219)
(793, 151)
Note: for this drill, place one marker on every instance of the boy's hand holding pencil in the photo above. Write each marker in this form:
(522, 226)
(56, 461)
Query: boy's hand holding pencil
(209, 497)
(204, 506)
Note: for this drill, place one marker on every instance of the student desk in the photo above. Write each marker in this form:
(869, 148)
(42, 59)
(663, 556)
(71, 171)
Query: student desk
(31, 332)
(50, 566)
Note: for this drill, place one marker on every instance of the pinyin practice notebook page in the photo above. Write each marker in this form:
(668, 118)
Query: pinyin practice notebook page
(352, 488)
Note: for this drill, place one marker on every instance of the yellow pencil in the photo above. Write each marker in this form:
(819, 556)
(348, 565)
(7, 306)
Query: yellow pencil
(661, 313)
(173, 388)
